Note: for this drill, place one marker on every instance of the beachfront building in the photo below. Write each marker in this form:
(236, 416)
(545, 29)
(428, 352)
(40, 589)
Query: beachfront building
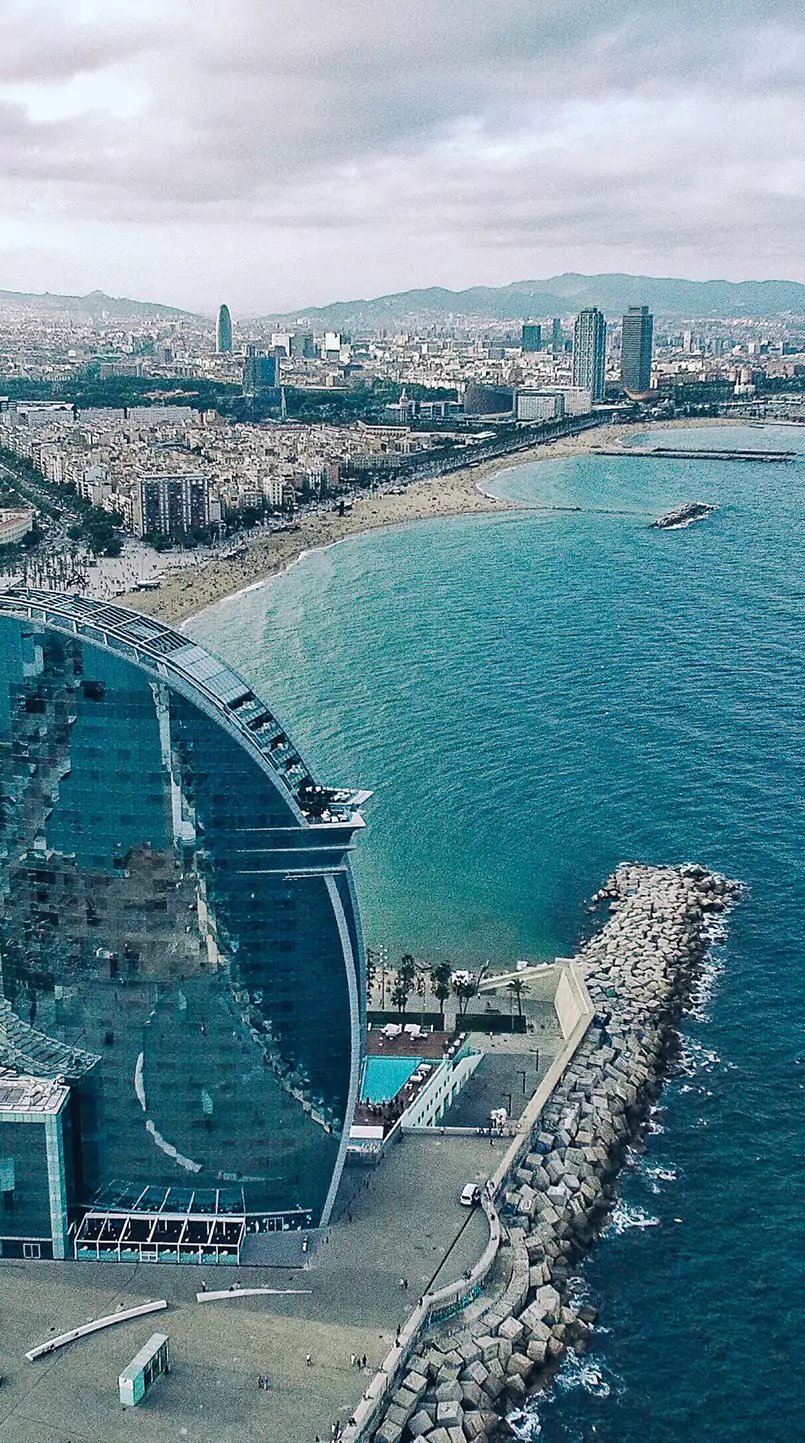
(15, 523)
(637, 345)
(589, 352)
(180, 951)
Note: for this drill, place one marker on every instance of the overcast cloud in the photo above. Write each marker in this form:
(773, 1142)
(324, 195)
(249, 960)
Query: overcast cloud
(277, 152)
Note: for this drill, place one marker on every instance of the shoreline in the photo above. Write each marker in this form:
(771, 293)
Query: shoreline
(183, 593)
(555, 1192)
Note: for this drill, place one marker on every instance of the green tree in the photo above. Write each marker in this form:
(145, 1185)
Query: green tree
(399, 993)
(517, 987)
(371, 969)
(465, 986)
(440, 976)
(408, 969)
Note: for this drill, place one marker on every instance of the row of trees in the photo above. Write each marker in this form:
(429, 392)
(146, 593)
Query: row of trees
(441, 978)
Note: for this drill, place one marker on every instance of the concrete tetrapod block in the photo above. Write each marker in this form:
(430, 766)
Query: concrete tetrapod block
(397, 1415)
(406, 1400)
(476, 1373)
(450, 1414)
(519, 1363)
(388, 1432)
(420, 1424)
(449, 1392)
(474, 1426)
(416, 1383)
(488, 1347)
(471, 1394)
(510, 1329)
(493, 1387)
(515, 1386)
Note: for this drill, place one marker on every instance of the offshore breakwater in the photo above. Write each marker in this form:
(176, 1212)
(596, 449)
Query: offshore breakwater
(640, 970)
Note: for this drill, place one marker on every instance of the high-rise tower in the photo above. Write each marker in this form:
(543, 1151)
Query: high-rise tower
(181, 996)
(223, 331)
(636, 349)
(589, 352)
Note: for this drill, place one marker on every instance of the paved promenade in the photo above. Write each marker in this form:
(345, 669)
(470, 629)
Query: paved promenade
(402, 1220)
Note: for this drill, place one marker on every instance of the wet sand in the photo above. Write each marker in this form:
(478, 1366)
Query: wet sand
(184, 592)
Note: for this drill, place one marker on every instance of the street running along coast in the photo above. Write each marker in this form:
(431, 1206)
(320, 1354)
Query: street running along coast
(183, 592)
(458, 1381)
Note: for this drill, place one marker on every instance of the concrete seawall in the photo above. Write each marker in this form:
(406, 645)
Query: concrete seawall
(463, 1360)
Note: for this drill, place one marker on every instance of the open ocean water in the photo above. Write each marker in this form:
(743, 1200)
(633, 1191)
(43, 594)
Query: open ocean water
(535, 697)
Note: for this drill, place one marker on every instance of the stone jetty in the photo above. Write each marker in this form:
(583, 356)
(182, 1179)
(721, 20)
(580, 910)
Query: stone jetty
(640, 968)
(683, 516)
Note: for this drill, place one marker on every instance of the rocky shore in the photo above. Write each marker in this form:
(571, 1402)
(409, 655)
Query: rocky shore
(640, 970)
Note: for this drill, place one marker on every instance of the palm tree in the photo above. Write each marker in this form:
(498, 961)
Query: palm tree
(440, 976)
(371, 970)
(407, 968)
(399, 993)
(518, 987)
(465, 986)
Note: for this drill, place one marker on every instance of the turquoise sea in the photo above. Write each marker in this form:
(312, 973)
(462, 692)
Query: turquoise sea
(534, 697)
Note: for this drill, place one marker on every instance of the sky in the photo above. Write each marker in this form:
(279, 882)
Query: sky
(277, 153)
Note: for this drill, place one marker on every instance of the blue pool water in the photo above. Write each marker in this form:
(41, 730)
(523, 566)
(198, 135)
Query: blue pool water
(534, 697)
(384, 1076)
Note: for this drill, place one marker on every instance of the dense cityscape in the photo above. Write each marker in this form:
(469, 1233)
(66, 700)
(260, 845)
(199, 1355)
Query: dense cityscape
(402, 633)
(182, 430)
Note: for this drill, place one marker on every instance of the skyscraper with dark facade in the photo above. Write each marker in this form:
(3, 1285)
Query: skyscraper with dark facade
(223, 331)
(171, 506)
(181, 989)
(531, 337)
(637, 344)
(260, 372)
(557, 337)
(590, 352)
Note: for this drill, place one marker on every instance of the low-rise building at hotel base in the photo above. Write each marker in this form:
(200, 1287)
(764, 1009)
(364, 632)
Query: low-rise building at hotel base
(15, 525)
(180, 944)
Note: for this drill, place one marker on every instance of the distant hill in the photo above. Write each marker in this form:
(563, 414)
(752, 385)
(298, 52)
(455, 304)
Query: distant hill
(561, 296)
(90, 307)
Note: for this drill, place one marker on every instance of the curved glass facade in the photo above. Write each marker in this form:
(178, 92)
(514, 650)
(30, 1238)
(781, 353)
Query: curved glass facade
(179, 936)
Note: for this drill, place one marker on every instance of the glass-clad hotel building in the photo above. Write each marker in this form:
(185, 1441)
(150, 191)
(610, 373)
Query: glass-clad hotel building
(180, 950)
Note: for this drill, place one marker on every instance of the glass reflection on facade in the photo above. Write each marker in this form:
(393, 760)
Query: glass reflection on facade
(179, 937)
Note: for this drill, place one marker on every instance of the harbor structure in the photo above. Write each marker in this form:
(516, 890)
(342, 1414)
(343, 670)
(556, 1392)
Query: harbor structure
(182, 962)
(589, 352)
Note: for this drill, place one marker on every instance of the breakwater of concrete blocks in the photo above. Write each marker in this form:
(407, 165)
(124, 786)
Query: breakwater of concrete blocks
(457, 1379)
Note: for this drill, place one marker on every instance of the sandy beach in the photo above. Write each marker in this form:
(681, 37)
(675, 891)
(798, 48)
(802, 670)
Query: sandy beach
(182, 593)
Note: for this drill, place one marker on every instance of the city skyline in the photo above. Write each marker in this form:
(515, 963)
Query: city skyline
(457, 148)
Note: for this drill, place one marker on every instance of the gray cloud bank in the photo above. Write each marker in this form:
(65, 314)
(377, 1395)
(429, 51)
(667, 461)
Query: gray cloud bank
(284, 151)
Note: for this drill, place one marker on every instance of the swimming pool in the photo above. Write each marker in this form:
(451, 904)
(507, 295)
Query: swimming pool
(384, 1076)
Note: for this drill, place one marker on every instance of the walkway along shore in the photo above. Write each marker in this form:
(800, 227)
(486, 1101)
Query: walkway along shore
(453, 1381)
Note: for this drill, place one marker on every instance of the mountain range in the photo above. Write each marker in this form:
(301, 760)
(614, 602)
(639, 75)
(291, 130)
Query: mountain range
(667, 297)
(562, 296)
(90, 307)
